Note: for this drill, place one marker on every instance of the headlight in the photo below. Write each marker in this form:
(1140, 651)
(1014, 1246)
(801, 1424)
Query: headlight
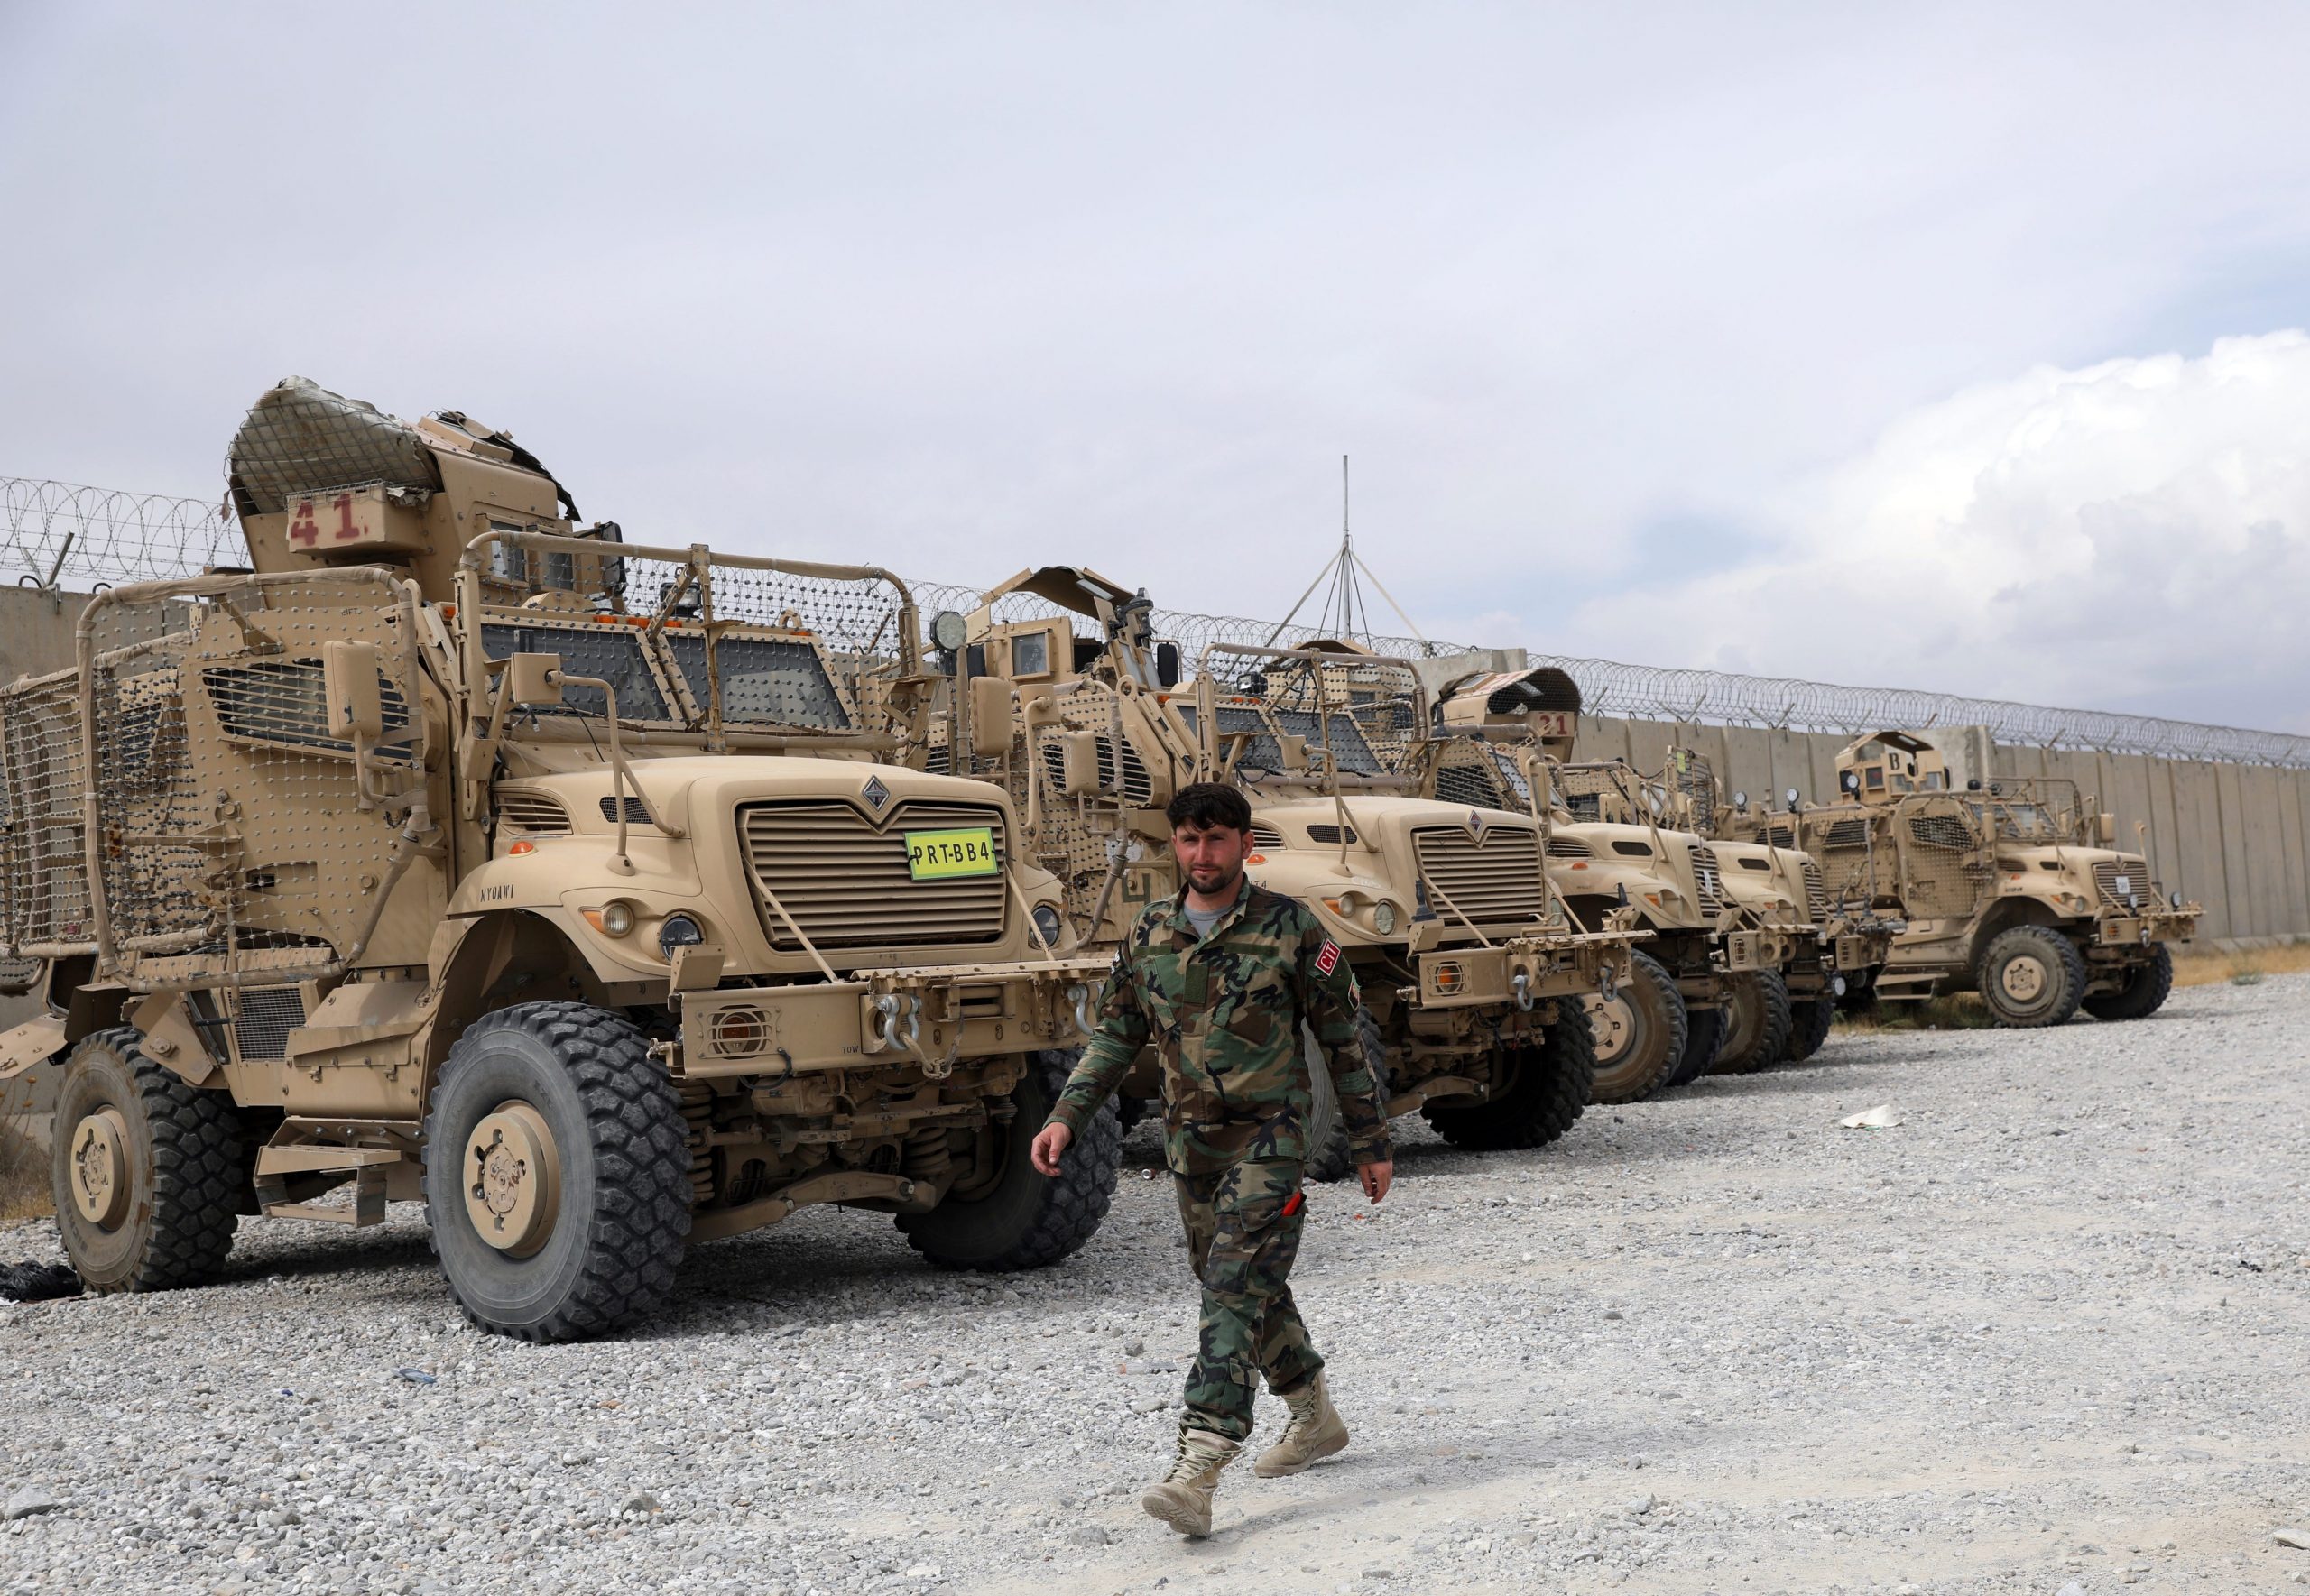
(1383, 917)
(1047, 924)
(2174, 897)
(617, 918)
(679, 931)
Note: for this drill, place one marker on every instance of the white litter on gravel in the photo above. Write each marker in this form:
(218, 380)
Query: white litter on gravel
(2053, 1334)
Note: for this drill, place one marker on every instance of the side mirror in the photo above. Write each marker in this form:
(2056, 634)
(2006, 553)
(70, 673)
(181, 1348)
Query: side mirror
(534, 679)
(2106, 824)
(356, 710)
(1294, 749)
(1166, 665)
(990, 716)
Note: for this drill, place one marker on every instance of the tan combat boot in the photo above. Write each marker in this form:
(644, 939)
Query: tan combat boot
(1314, 1432)
(1183, 1500)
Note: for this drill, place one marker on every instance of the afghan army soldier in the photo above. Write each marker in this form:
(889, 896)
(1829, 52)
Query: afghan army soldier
(1222, 979)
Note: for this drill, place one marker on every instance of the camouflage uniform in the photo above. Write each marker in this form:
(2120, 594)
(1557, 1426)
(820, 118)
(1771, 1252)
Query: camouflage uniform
(1224, 1014)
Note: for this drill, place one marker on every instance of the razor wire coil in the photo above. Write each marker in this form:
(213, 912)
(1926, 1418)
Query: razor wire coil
(55, 530)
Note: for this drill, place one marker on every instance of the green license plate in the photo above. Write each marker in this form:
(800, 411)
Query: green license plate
(940, 855)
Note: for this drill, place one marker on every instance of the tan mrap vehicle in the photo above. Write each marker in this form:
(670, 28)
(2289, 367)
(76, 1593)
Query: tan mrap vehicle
(1470, 970)
(1839, 946)
(1611, 847)
(2013, 889)
(551, 881)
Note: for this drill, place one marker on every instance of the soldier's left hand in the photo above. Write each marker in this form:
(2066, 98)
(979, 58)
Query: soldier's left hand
(1376, 1177)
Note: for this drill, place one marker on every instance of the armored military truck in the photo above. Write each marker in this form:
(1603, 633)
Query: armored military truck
(579, 890)
(1470, 969)
(1614, 844)
(1829, 945)
(2014, 889)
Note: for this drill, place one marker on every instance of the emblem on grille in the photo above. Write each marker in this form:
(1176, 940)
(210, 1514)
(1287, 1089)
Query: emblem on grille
(1476, 825)
(875, 794)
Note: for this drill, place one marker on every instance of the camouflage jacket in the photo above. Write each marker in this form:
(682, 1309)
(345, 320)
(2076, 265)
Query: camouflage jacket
(1224, 1014)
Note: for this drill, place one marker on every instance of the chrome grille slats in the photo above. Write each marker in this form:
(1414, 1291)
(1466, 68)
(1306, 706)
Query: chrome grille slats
(1492, 882)
(846, 883)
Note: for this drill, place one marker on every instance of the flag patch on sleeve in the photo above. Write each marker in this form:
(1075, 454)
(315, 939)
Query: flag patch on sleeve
(1327, 961)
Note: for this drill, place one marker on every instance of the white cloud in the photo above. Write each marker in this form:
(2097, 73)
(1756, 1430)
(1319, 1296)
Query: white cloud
(2130, 535)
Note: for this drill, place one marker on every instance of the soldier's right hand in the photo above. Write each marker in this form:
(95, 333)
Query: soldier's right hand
(1050, 1144)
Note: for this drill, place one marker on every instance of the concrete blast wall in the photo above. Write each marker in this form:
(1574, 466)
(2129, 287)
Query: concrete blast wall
(2234, 837)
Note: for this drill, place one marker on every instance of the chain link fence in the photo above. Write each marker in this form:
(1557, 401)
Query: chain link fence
(57, 534)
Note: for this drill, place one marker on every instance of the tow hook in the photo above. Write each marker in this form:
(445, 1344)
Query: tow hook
(1079, 994)
(896, 1011)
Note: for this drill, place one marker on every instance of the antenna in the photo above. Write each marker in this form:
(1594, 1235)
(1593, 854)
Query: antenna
(1343, 612)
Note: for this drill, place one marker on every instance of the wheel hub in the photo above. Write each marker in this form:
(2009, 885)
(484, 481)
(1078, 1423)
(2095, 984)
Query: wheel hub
(100, 1168)
(2023, 979)
(1613, 1026)
(513, 1172)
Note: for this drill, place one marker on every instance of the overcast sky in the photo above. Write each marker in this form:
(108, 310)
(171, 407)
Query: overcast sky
(1925, 347)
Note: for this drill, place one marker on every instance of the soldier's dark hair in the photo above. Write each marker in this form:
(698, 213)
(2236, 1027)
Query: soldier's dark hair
(1206, 804)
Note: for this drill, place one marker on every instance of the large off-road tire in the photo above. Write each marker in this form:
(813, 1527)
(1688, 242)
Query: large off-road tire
(1757, 1024)
(2030, 976)
(1327, 1156)
(2145, 990)
(1639, 1035)
(1012, 1218)
(557, 1173)
(1809, 1027)
(1544, 1090)
(1704, 1036)
(146, 1170)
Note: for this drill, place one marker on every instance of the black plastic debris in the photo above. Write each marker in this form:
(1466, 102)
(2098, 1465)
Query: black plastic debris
(37, 1282)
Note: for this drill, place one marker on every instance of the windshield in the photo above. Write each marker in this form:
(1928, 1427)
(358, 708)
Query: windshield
(613, 654)
(2020, 822)
(772, 681)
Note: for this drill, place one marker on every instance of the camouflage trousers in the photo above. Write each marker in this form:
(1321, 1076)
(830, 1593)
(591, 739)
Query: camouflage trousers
(1241, 1244)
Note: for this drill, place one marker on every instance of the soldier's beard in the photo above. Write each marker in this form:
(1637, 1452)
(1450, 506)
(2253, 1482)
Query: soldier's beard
(1209, 882)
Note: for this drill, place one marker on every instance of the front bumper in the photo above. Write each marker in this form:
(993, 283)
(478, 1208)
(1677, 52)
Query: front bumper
(1520, 970)
(2141, 929)
(928, 1017)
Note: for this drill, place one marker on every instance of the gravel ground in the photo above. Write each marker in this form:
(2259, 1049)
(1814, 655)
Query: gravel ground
(2045, 1335)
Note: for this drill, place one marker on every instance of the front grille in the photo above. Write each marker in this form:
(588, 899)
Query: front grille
(845, 881)
(1708, 880)
(1569, 847)
(266, 1016)
(1493, 882)
(2118, 879)
(1816, 893)
(533, 814)
(1778, 836)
